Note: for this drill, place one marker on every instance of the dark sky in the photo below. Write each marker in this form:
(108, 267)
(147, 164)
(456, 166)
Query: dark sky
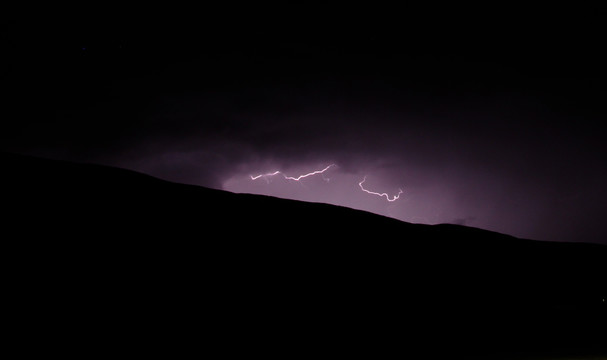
(490, 117)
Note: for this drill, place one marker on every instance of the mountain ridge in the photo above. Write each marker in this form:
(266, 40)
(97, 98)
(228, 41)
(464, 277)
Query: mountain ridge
(131, 246)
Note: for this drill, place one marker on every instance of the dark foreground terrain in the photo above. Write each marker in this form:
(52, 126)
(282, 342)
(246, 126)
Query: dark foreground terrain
(106, 261)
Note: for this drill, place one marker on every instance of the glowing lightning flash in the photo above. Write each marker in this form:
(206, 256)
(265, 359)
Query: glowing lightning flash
(378, 194)
(265, 176)
(291, 177)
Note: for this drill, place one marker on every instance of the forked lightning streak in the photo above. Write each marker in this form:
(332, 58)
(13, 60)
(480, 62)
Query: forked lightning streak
(394, 198)
(298, 178)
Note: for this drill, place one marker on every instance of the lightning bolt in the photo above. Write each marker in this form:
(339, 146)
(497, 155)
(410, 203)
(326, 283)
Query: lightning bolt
(298, 178)
(394, 198)
(265, 176)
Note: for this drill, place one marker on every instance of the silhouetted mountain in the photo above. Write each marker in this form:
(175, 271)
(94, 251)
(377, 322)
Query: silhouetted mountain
(105, 260)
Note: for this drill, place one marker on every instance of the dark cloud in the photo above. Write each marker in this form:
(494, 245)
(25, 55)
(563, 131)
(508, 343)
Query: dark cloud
(511, 166)
(478, 137)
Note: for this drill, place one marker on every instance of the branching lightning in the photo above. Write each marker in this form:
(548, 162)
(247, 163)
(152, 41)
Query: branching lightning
(317, 172)
(394, 198)
(265, 176)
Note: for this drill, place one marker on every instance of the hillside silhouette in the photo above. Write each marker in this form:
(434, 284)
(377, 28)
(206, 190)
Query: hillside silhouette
(106, 260)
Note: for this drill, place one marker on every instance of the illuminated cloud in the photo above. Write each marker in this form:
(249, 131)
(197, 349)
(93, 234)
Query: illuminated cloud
(477, 138)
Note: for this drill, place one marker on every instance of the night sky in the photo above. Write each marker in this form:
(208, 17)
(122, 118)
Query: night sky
(488, 117)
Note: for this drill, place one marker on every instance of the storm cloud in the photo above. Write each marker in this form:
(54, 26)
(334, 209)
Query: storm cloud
(501, 161)
(471, 137)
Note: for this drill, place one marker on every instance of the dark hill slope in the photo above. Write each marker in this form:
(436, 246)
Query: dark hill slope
(103, 258)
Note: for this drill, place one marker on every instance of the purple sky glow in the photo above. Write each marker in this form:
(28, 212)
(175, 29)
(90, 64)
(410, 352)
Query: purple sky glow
(495, 122)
